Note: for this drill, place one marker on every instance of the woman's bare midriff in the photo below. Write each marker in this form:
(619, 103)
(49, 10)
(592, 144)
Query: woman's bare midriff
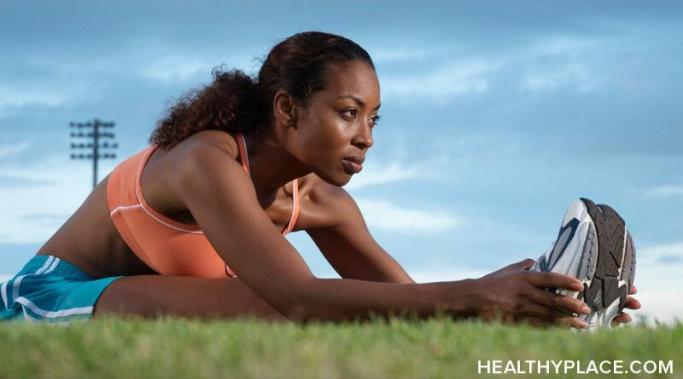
(89, 240)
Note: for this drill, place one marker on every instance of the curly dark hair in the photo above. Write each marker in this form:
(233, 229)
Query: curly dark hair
(236, 103)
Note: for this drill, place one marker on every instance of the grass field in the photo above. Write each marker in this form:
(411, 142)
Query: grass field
(435, 348)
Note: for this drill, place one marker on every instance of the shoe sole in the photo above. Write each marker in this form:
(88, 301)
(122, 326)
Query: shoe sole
(603, 259)
(607, 287)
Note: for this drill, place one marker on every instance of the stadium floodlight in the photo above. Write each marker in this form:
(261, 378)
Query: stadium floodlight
(94, 131)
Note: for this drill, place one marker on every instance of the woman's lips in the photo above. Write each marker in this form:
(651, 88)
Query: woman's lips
(351, 167)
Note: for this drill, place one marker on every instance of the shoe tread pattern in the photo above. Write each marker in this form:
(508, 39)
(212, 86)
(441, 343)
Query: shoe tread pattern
(610, 228)
(629, 266)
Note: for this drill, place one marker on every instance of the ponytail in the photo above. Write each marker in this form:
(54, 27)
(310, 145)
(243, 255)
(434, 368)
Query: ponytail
(231, 103)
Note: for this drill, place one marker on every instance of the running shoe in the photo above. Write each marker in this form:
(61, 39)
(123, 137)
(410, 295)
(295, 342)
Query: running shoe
(594, 246)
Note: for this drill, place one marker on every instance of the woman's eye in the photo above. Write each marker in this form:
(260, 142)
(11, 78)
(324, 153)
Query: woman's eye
(375, 120)
(349, 113)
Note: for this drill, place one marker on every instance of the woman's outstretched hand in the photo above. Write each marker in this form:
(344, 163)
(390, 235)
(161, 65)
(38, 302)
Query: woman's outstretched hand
(521, 265)
(516, 294)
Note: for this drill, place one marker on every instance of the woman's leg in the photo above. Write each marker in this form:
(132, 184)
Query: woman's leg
(156, 295)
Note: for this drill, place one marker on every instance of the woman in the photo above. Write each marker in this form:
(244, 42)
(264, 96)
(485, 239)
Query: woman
(192, 225)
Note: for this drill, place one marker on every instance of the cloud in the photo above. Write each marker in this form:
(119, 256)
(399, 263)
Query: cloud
(663, 305)
(455, 78)
(658, 268)
(21, 97)
(551, 63)
(661, 253)
(659, 289)
(53, 92)
(178, 65)
(666, 191)
(10, 150)
(431, 166)
(385, 215)
(572, 75)
(175, 69)
(671, 259)
(43, 195)
(384, 55)
(8, 181)
(394, 172)
(561, 61)
(562, 45)
(45, 218)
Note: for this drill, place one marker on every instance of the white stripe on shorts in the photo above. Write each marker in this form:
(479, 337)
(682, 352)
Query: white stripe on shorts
(52, 266)
(49, 265)
(52, 314)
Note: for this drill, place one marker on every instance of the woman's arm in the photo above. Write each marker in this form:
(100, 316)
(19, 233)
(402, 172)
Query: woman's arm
(221, 197)
(222, 200)
(349, 247)
(347, 244)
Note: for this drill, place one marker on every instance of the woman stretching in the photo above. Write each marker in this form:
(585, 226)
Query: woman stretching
(193, 225)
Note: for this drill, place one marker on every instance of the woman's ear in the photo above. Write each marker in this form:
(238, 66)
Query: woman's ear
(285, 109)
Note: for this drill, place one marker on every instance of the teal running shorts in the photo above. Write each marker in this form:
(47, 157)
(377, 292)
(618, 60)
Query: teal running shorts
(50, 289)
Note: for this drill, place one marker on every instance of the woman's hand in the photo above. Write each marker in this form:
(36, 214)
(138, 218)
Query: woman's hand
(516, 294)
(521, 265)
(631, 303)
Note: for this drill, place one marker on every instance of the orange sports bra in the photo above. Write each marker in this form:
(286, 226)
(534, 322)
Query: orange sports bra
(167, 246)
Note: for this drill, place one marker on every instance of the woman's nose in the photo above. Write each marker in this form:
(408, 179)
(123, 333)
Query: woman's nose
(364, 136)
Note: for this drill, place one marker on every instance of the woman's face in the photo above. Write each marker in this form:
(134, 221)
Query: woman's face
(335, 127)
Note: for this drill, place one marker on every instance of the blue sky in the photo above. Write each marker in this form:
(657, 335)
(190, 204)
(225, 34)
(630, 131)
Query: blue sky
(495, 116)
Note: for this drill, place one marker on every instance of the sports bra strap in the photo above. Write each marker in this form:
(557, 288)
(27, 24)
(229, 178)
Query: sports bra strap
(244, 158)
(295, 208)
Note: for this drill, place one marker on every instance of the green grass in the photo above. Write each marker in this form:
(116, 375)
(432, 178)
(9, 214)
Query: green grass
(435, 348)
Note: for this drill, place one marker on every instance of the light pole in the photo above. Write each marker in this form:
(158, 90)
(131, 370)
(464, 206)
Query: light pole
(95, 149)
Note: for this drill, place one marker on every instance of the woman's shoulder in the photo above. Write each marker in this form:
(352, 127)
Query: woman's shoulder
(204, 139)
(198, 155)
(207, 147)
